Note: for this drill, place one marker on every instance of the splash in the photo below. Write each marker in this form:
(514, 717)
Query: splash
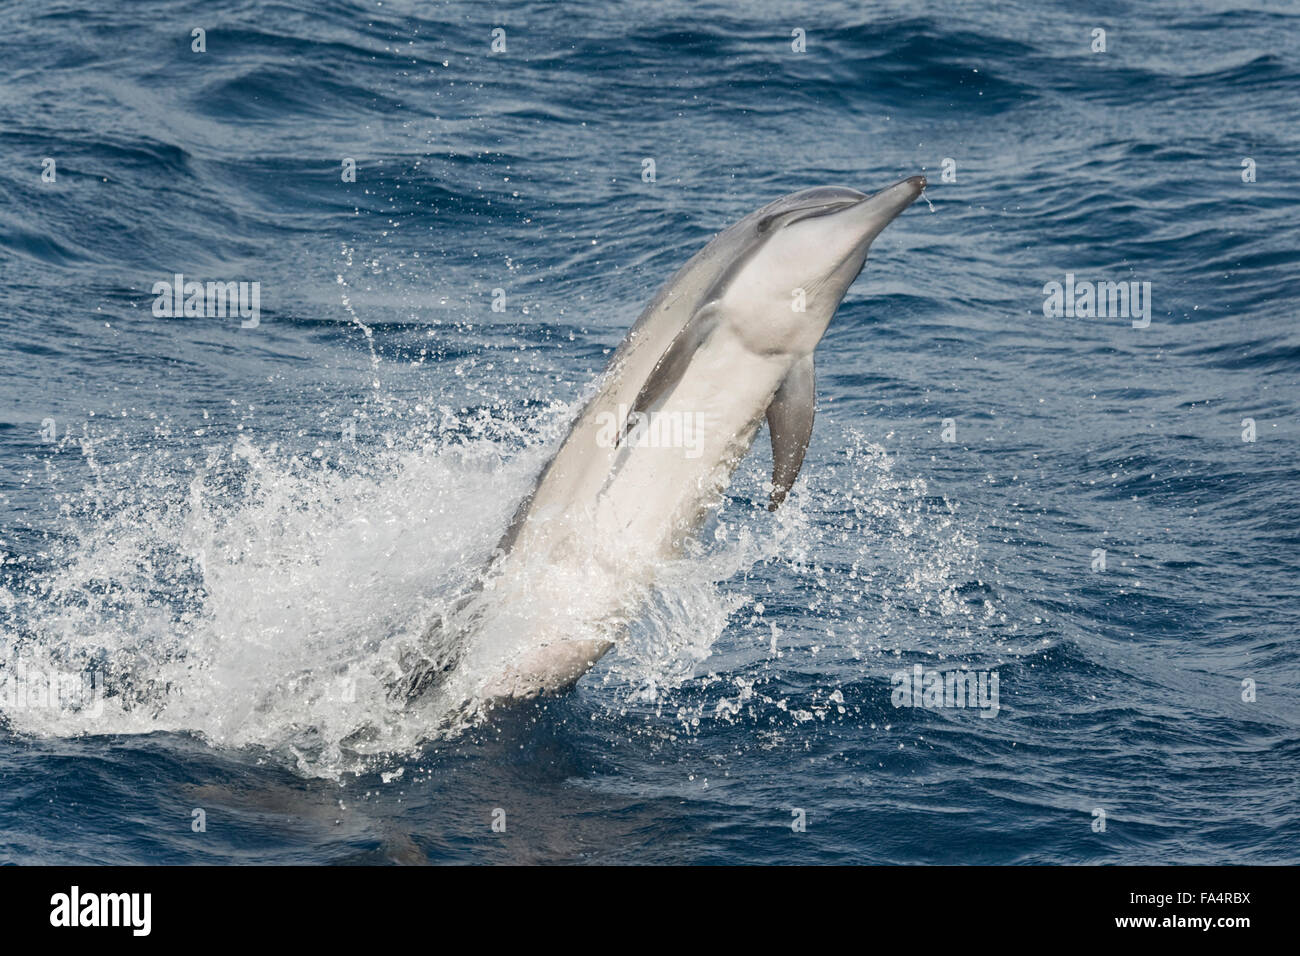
(260, 596)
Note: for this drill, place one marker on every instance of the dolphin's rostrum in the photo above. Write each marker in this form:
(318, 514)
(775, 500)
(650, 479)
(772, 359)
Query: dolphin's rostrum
(726, 343)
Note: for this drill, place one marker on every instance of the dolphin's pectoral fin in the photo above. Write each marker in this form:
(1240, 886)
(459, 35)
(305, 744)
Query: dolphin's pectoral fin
(670, 368)
(790, 423)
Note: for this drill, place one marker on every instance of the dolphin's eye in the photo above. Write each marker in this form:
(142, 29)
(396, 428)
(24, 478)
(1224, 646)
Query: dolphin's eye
(765, 223)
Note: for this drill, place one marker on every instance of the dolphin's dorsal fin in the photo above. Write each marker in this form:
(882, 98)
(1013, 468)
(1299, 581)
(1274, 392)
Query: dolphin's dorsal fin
(790, 423)
(670, 368)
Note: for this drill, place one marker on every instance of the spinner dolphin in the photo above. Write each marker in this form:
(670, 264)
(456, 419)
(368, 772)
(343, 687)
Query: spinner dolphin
(726, 343)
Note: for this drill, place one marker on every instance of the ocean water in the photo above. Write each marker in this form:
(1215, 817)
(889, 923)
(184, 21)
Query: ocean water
(217, 533)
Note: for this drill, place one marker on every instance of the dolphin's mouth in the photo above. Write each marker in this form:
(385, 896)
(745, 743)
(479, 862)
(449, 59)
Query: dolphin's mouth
(861, 220)
(902, 193)
(898, 196)
(824, 201)
(878, 210)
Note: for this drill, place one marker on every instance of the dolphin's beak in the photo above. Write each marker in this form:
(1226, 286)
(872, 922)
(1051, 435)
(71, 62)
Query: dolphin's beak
(854, 227)
(877, 211)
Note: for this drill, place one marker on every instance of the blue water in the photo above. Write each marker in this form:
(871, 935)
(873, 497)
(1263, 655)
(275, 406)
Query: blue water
(197, 530)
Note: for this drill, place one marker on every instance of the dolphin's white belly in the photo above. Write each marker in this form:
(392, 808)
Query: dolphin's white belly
(562, 593)
(659, 491)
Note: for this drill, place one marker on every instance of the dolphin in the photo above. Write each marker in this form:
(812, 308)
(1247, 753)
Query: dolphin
(726, 343)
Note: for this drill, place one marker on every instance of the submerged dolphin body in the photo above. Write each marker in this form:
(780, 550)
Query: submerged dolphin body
(727, 342)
